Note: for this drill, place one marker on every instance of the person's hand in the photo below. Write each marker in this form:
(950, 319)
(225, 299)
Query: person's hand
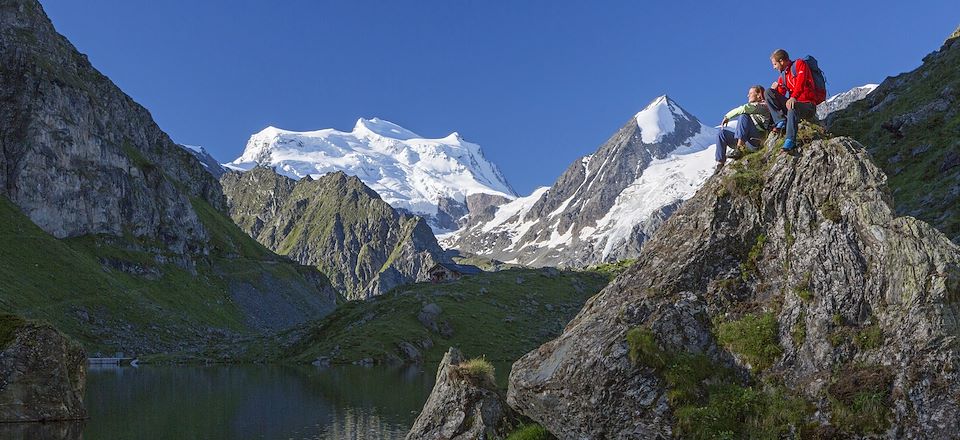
(724, 123)
(774, 85)
(790, 103)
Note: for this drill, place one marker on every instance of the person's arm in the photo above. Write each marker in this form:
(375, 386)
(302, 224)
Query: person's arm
(737, 111)
(780, 86)
(753, 108)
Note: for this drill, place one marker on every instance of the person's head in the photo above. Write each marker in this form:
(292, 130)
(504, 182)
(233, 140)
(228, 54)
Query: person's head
(755, 94)
(780, 60)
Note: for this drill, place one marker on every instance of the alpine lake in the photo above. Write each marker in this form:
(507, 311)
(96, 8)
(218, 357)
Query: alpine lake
(246, 402)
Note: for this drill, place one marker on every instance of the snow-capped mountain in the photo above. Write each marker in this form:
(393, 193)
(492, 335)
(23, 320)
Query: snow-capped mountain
(429, 177)
(606, 204)
(208, 161)
(840, 101)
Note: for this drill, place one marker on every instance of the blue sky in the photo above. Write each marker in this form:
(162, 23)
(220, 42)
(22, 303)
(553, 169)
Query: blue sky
(536, 83)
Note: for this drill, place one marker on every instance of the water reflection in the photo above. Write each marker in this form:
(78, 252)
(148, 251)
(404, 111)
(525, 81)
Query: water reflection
(255, 402)
(34, 431)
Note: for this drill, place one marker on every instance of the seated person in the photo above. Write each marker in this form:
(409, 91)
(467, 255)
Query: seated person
(797, 79)
(752, 120)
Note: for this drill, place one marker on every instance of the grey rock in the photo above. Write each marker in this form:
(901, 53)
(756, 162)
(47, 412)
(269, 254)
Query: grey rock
(462, 407)
(42, 375)
(482, 207)
(409, 352)
(449, 213)
(429, 317)
(864, 265)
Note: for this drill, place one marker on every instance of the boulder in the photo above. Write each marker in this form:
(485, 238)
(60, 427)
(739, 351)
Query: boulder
(42, 373)
(462, 406)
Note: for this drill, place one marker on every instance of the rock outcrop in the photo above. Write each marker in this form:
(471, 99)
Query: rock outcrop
(337, 224)
(42, 373)
(783, 276)
(463, 405)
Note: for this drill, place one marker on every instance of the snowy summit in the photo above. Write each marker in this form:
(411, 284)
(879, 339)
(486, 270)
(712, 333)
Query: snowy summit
(408, 171)
(658, 119)
(606, 203)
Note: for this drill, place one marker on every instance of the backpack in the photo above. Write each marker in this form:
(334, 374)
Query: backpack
(819, 81)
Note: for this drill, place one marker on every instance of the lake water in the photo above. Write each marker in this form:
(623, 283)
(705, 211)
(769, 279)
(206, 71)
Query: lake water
(244, 402)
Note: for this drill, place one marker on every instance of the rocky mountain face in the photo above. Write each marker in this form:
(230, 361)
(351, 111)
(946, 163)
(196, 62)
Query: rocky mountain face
(911, 126)
(78, 155)
(784, 298)
(464, 405)
(336, 223)
(42, 373)
(134, 250)
(605, 205)
(210, 164)
(843, 100)
(431, 178)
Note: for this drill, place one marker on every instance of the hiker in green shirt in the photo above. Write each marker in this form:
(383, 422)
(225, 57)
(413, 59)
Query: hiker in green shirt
(752, 121)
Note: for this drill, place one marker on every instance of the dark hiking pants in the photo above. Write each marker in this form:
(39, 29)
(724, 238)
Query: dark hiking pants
(777, 104)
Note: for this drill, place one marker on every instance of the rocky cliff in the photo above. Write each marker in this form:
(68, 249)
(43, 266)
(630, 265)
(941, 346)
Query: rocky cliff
(42, 373)
(605, 205)
(134, 250)
(910, 124)
(785, 298)
(81, 157)
(337, 224)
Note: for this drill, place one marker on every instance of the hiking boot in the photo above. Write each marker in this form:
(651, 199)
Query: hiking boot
(787, 144)
(718, 167)
(777, 129)
(735, 154)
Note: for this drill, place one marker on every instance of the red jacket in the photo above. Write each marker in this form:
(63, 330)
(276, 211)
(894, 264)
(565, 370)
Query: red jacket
(800, 85)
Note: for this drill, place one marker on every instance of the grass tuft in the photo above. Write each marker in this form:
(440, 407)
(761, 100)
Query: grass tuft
(749, 266)
(869, 337)
(643, 348)
(830, 210)
(531, 432)
(9, 323)
(860, 400)
(478, 369)
(754, 337)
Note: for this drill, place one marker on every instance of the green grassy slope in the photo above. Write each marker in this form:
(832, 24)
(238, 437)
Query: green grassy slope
(911, 127)
(499, 315)
(162, 308)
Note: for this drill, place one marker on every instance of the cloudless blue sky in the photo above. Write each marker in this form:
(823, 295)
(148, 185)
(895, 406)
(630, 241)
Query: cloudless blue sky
(536, 83)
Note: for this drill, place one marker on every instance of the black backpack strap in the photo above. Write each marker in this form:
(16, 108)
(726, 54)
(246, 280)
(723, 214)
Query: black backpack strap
(783, 76)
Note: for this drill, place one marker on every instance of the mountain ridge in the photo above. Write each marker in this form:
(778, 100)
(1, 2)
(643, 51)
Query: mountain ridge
(335, 223)
(577, 208)
(412, 173)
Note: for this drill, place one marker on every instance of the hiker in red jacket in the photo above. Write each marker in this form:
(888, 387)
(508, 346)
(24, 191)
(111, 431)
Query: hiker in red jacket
(795, 78)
